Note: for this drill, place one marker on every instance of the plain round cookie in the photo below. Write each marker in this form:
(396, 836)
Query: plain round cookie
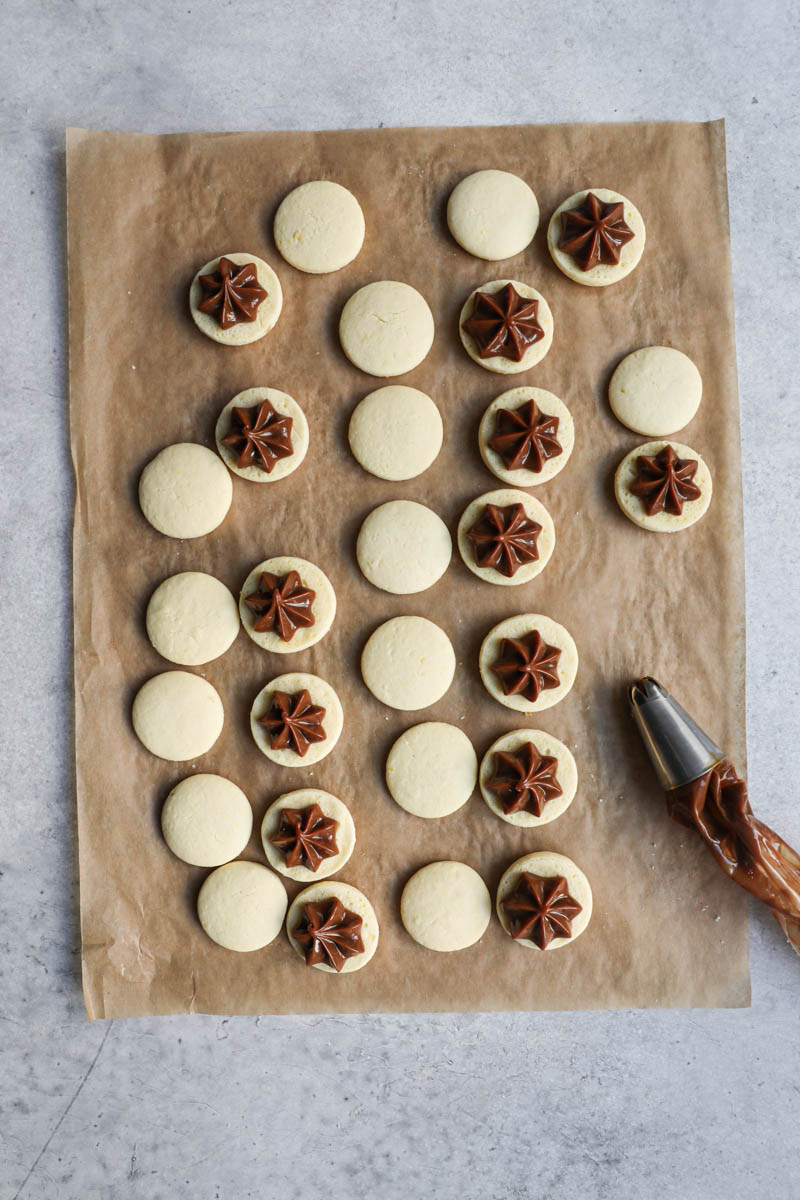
(285, 406)
(319, 227)
(185, 491)
(321, 693)
(353, 900)
(323, 608)
(241, 906)
(547, 745)
(534, 353)
(655, 391)
(493, 214)
(192, 618)
(386, 328)
(432, 769)
(554, 635)
(395, 432)
(332, 807)
(206, 820)
(446, 906)
(177, 715)
(661, 522)
(548, 864)
(549, 405)
(534, 509)
(604, 273)
(243, 332)
(403, 547)
(408, 663)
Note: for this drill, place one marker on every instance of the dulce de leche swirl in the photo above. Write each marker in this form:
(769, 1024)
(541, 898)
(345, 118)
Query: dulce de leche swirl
(717, 807)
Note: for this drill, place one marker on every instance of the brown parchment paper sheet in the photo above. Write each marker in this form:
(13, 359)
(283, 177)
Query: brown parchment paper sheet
(144, 213)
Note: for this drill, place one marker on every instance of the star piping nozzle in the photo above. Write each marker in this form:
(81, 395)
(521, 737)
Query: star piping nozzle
(678, 748)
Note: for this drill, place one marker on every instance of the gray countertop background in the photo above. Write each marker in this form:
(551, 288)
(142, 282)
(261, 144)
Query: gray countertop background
(689, 1105)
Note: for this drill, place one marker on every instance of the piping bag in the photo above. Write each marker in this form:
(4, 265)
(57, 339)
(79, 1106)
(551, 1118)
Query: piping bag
(705, 793)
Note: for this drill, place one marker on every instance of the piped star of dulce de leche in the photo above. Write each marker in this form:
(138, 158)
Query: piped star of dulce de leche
(260, 436)
(282, 604)
(504, 324)
(664, 482)
(504, 538)
(306, 837)
(541, 908)
(524, 780)
(527, 666)
(594, 232)
(293, 722)
(525, 437)
(232, 293)
(329, 933)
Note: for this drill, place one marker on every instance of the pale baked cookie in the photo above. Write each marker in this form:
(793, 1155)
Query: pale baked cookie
(675, 486)
(262, 435)
(512, 328)
(291, 600)
(319, 227)
(403, 547)
(528, 662)
(185, 491)
(296, 720)
(597, 232)
(446, 906)
(526, 436)
(408, 663)
(432, 769)
(386, 328)
(655, 391)
(528, 777)
(504, 530)
(192, 618)
(492, 214)
(540, 896)
(308, 834)
(395, 432)
(238, 301)
(177, 715)
(333, 927)
(241, 906)
(206, 820)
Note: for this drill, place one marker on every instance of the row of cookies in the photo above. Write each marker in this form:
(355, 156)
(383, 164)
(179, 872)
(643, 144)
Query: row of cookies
(543, 899)
(319, 227)
(386, 328)
(527, 777)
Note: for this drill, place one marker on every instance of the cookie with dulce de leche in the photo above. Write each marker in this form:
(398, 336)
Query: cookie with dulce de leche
(663, 486)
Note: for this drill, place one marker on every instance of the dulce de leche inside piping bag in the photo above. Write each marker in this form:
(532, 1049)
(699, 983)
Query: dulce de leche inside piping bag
(705, 793)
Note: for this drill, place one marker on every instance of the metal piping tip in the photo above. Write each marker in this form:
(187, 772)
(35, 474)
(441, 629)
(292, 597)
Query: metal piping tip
(679, 749)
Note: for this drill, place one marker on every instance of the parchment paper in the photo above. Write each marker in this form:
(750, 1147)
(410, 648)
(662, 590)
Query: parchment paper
(144, 213)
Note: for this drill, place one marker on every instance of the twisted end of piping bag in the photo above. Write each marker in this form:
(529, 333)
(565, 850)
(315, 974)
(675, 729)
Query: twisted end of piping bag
(705, 793)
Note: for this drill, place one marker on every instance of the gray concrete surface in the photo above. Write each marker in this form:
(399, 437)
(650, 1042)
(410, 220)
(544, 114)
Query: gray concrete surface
(683, 1105)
